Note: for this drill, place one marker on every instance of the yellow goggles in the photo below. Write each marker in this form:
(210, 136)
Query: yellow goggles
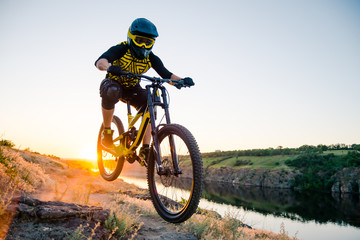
(141, 41)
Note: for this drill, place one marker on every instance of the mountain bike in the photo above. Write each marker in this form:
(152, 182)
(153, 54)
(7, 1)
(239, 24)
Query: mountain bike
(174, 163)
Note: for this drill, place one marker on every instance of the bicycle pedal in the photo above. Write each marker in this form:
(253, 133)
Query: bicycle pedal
(141, 161)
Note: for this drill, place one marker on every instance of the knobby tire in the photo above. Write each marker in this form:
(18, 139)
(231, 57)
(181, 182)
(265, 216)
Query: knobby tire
(110, 166)
(173, 208)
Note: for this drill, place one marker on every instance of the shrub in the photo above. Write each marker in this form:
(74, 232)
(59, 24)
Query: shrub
(352, 159)
(242, 163)
(6, 143)
(122, 221)
(114, 224)
(317, 169)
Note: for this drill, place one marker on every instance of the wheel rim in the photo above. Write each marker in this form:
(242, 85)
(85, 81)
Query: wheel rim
(174, 192)
(109, 161)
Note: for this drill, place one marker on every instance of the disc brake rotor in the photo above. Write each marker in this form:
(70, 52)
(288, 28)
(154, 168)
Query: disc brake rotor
(168, 177)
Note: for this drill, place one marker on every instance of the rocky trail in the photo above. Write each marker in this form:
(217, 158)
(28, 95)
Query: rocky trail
(35, 219)
(73, 199)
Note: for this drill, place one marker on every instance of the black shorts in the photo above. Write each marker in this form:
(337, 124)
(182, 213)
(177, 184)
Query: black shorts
(112, 91)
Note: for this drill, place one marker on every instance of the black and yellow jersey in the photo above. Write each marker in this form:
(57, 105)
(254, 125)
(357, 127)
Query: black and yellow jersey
(121, 55)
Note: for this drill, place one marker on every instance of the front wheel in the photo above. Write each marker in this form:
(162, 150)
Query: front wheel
(176, 195)
(110, 166)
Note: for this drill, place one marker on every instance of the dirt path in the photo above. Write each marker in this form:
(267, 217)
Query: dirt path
(74, 185)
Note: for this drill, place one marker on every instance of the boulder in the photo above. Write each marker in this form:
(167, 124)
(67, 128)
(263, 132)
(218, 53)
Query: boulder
(346, 181)
(35, 219)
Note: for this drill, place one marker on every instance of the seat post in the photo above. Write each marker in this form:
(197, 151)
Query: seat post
(128, 107)
(130, 117)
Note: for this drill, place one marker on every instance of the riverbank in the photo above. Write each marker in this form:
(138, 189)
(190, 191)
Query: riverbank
(332, 171)
(277, 178)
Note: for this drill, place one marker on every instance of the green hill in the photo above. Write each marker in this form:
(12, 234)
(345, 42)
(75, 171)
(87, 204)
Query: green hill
(308, 168)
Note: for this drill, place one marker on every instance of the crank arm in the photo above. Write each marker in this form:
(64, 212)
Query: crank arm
(109, 150)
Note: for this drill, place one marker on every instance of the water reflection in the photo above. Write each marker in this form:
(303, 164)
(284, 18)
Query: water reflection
(315, 216)
(321, 208)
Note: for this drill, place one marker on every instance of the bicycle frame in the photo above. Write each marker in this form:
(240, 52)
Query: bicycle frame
(148, 117)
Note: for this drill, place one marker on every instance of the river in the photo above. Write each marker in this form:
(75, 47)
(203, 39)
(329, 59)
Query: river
(315, 216)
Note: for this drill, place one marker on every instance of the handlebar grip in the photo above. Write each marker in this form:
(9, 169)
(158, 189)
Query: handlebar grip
(188, 82)
(116, 70)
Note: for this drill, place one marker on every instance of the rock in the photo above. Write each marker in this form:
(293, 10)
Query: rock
(145, 196)
(59, 210)
(35, 219)
(336, 187)
(251, 177)
(346, 181)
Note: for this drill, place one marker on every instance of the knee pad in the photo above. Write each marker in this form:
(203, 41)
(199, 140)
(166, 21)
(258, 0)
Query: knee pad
(110, 91)
(113, 93)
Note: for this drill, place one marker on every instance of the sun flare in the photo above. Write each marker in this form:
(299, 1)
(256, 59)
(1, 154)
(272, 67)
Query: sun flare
(88, 153)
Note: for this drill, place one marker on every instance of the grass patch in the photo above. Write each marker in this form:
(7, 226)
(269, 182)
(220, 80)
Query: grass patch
(270, 158)
(206, 226)
(6, 197)
(269, 162)
(78, 234)
(123, 220)
(82, 194)
(26, 176)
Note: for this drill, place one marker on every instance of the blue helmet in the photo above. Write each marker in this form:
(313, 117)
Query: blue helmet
(141, 37)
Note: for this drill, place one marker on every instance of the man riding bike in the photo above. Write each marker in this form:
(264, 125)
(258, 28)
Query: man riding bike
(134, 55)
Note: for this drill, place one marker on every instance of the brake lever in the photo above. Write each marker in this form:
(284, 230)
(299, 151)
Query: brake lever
(130, 75)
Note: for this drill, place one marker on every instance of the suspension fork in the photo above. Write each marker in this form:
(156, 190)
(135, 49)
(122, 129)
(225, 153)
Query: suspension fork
(171, 137)
(154, 132)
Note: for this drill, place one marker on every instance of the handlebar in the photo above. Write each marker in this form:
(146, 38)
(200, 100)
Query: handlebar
(177, 83)
(152, 79)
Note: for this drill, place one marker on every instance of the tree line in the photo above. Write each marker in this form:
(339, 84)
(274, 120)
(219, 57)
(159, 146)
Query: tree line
(282, 151)
(317, 170)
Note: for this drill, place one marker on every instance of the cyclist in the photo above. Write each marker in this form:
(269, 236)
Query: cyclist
(134, 55)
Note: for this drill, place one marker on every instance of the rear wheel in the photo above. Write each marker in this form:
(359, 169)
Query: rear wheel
(176, 196)
(109, 165)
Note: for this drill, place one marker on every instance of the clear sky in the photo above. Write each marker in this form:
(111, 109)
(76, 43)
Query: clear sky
(267, 73)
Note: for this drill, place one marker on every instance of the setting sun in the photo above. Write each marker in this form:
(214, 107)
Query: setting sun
(88, 153)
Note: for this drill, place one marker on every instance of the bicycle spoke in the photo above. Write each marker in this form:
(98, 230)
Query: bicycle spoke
(175, 188)
(110, 166)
